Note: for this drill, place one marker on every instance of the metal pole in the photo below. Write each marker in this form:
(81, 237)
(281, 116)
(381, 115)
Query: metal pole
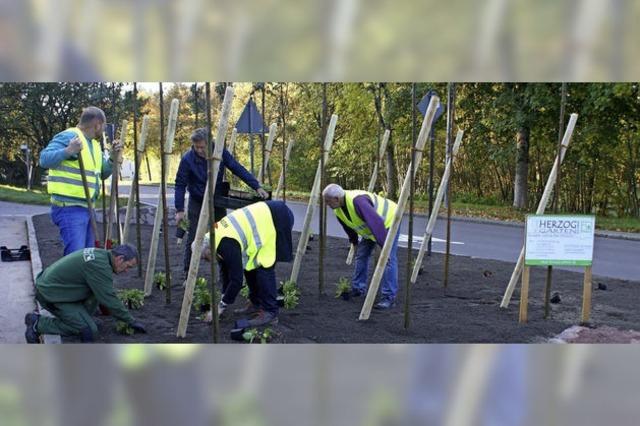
(262, 168)
(136, 179)
(322, 185)
(554, 202)
(212, 220)
(451, 95)
(251, 139)
(284, 143)
(412, 170)
(165, 220)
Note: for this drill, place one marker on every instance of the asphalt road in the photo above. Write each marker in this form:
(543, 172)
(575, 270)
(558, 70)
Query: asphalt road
(613, 257)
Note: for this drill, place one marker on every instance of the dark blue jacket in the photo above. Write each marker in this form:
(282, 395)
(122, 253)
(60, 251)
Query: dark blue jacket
(192, 175)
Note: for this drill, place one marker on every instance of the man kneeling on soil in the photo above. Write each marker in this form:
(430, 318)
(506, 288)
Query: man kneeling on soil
(72, 288)
(369, 216)
(252, 240)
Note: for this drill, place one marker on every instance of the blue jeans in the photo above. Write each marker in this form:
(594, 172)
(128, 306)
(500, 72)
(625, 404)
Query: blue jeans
(75, 227)
(390, 276)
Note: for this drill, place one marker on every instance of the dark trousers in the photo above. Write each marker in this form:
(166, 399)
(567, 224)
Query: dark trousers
(262, 288)
(193, 215)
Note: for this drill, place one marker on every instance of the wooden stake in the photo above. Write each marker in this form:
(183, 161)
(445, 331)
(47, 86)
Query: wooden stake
(586, 295)
(436, 207)
(372, 182)
(92, 213)
(267, 150)
(212, 222)
(287, 155)
(203, 221)
(524, 295)
(136, 177)
(402, 203)
(313, 201)
(167, 149)
(157, 221)
(113, 204)
(541, 207)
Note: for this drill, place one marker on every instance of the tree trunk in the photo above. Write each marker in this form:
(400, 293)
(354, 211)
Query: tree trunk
(391, 169)
(520, 187)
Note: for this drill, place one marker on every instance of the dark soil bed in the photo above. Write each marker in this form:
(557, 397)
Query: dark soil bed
(466, 312)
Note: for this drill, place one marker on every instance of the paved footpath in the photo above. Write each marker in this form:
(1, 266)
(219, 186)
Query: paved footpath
(16, 281)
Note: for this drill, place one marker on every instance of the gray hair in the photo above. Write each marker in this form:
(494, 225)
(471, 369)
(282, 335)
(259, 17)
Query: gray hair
(199, 135)
(127, 251)
(92, 113)
(333, 190)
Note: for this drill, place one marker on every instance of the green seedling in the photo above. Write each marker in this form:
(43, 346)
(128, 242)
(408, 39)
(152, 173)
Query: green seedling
(244, 291)
(184, 224)
(132, 298)
(254, 334)
(343, 287)
(160, 280)
(291, 294)
(201, 295)
(124, 328)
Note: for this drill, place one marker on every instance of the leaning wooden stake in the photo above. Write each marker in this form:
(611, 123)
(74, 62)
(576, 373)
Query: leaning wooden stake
(425, 130)
(203, 221)
(313, 201)
(436, 207)
(548, 189)
(372, 182)
(157, 221)
(127, 217)
(113, 204)
(267, 149)
(284, 169)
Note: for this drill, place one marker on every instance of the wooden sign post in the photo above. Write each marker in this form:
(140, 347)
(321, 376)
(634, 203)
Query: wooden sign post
(558, 240)
(542, 206)
(203, 221)
(425, 130)
(436, 207)
(136, 177)
(267, 150)
(313, 201)
(372, 182)
(158, 219)
(284, 169)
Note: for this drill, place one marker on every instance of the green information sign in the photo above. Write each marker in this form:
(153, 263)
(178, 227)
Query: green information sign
(559, 240)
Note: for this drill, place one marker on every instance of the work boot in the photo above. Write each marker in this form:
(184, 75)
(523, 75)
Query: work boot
(385, 303)
(222, 307)
(263, 318)
(31, 321)
(248, 309)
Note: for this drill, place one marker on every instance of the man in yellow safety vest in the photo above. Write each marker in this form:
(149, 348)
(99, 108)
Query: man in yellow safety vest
(69, 209)
(368, 216)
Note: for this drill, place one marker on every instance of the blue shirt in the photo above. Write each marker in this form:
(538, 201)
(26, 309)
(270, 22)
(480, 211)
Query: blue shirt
(54, 154)
(192, 176)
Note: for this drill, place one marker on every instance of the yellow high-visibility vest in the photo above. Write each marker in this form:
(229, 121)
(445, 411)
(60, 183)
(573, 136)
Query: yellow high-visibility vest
(66, 180)
(385, 208)
(252, 227)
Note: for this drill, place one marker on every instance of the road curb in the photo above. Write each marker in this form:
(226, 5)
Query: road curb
(36, 267)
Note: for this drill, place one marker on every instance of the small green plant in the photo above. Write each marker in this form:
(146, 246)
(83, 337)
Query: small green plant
(291, 294)
(132, 298)
(160, 280)
(201, 295)
(254, 334)
(343, 287)
(244, 291)
(184, 224)
(124, 328)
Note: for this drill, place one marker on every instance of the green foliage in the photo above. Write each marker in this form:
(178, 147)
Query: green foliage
(160, 280)
(254, 334)
(201, 295)
(343, 286)
(132, 298)
(244, 291)
(291, 294)
(184, 224)
(21, 195)
(124, 328)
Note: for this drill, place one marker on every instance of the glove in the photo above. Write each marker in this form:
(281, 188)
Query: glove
(138, 327)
